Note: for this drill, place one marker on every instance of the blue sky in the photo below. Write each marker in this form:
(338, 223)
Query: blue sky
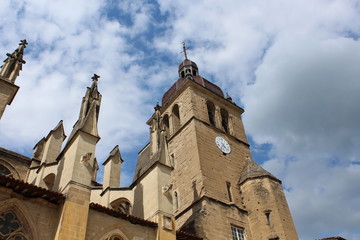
(293, 66)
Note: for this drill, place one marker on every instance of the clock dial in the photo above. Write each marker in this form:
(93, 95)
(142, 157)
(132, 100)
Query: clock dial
(222, 144)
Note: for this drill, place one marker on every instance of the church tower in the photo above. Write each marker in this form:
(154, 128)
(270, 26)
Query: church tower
(8, 73)
(218, 192)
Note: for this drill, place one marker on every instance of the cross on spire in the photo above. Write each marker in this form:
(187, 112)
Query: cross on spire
(184, 50)
(23, 43)
(95, 77)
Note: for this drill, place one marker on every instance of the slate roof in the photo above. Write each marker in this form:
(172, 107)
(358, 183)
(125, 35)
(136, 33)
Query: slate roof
(198, 79)
(253, 170)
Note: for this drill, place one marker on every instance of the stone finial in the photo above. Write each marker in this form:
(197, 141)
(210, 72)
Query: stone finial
(157, 107)
(228, 97)
(13, 63)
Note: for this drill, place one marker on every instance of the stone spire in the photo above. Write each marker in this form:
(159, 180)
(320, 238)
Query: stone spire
(13, 63)
(89, 111)
(8, 74)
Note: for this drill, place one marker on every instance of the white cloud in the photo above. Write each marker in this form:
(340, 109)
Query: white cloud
(296, 72)
(293, 64)
(303, 103)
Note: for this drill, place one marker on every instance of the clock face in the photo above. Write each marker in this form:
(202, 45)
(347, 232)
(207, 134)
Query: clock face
(222, 144)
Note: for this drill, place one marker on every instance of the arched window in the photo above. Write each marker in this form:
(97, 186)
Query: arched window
(114, 237)
(211, 113)
(166, 124)
(49, 180)
(224, 120)
(175, 118)
(5, 171)
(122, 205)
(11, 228)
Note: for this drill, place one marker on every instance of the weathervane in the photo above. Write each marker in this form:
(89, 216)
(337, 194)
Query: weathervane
(184, 50)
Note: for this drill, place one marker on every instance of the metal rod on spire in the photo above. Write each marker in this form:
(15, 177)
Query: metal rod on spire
(184, 50)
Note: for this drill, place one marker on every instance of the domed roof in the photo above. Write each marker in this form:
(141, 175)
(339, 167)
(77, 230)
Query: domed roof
(187, 62)
(188, 71)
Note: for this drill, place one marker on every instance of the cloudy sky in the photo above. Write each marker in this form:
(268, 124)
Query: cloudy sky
(293, 65)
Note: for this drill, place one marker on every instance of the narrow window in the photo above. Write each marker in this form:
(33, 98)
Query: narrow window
(176, 201)
(225, 120)
(194, 72)
(166, 125)
(211, 113)
(182, 74)
(228, 185)
(267, 214)
(175, 118)
(237, 233)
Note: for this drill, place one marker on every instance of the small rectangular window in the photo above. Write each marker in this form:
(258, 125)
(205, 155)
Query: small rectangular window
(237, 233)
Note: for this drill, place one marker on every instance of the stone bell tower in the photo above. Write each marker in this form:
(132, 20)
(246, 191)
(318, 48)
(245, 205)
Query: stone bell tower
(8, 73)
(213, 194)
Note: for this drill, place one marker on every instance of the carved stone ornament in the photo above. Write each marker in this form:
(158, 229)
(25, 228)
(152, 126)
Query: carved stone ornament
(166, 188)
(86, 157)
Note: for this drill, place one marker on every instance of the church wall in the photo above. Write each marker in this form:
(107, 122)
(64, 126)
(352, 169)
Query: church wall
(100, 225)
(260, 196)
(165, 199)
(32, 175)
(217, 168)
(148, 196)
(38, 217)
(201, 112)
(37, 175)
(72, 166)
(17, 166)
(186, 176)
(7, 93)
(185, 103)
(116, 194)
(96, 198)
(52, 146)
(215, 221)
(111, 195)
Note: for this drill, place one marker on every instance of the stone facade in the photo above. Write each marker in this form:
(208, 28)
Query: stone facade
(194, 180)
